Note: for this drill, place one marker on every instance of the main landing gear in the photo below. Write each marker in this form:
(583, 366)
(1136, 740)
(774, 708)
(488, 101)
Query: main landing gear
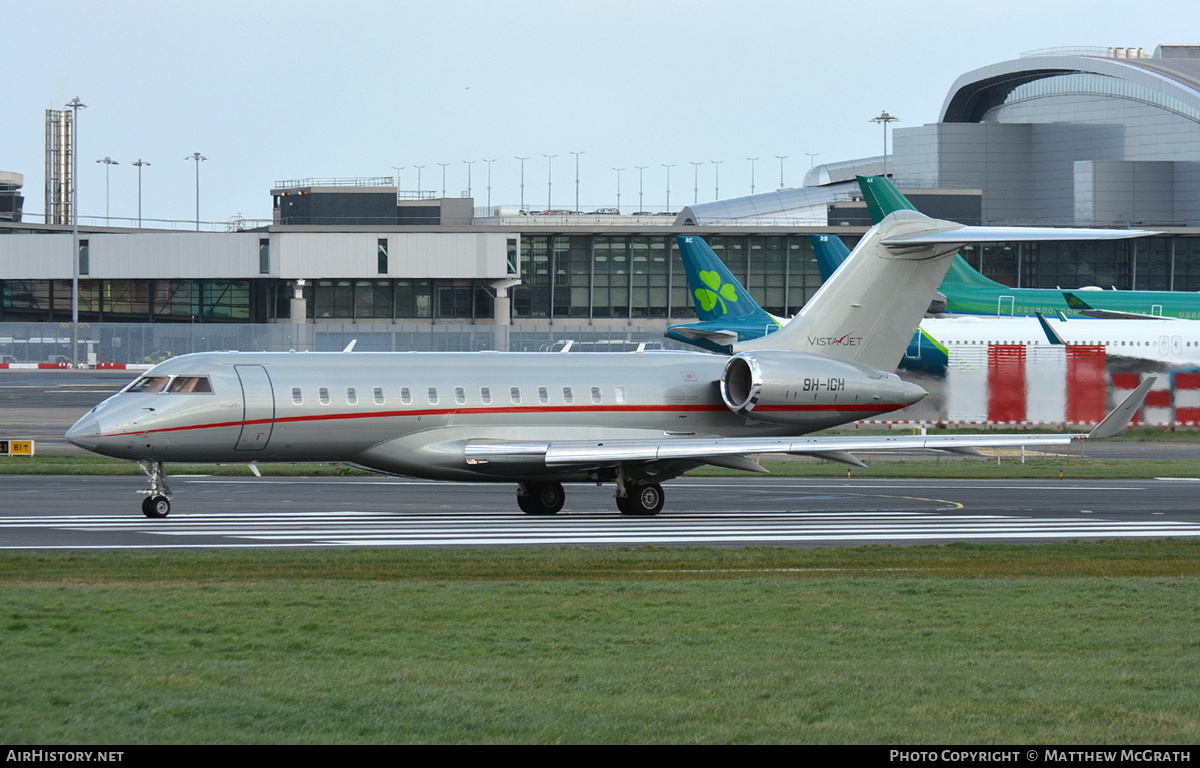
(541, 498)
(158, 496)
(644, 500)
(640, 499)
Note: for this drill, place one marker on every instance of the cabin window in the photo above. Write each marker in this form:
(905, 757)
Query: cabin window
(596, 398)
(543, 395)
(149, 384)
(191, 384)
(460, 395)
(378, 395)
(297, 396)
(568, 395)
(514, 394)
(405, 395)
(323, 395)
(433, 396)
(619, 394)
(351, 396)
(485, 394)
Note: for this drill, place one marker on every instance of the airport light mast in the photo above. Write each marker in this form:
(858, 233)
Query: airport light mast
(883, 118)
(577, 154)
(197, 157)
(523, 159)
(108, 164)
(139, 164)
(75, 105)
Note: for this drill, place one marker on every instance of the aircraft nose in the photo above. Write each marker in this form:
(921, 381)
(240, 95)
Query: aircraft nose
(85, 433)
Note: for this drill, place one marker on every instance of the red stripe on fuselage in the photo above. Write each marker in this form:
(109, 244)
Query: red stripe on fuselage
(821, 408)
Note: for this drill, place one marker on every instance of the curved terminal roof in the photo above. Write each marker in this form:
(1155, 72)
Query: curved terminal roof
(1169, 80)
(807, 205)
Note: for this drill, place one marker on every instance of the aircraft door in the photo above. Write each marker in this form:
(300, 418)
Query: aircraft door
(258, 408)
(1006, 303)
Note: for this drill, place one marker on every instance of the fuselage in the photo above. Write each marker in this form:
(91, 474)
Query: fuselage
(413, 413)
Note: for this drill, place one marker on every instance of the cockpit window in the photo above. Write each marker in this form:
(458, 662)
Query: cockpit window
(149, 384)
(192, 384)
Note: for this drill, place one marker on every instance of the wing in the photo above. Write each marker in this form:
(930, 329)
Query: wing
(564, 455)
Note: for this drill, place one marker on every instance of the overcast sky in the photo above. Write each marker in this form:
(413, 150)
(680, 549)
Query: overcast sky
(287, 90)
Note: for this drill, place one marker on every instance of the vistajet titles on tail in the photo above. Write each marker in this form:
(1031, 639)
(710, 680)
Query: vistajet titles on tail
(539, 420)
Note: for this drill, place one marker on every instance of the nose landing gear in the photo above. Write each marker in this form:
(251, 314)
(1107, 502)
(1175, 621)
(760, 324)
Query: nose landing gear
(158, 496)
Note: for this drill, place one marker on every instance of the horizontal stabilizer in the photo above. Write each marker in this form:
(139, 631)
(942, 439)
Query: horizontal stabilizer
(964, 235)
(721, 337)
(1087, 310)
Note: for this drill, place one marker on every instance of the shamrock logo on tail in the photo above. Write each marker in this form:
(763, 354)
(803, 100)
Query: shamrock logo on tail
(718, 293)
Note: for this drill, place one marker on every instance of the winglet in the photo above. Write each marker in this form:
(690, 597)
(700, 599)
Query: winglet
(1117, 421)
(1052, 335)
(882, 197)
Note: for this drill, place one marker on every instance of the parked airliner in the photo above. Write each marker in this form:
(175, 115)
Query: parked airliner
(542, 419)
(968, 292)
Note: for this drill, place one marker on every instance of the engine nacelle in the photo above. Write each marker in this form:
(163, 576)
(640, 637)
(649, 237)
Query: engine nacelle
(781, 387)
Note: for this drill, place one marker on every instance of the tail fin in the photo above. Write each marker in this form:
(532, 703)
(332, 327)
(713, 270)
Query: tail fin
(868, 311)
(831, 252)
(961, 273)
(882, 197)
(716, 293)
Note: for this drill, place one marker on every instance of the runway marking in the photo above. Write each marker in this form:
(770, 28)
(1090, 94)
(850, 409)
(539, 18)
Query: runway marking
(345, 528)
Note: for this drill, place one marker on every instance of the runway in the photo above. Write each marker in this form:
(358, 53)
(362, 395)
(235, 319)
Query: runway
(101, 513)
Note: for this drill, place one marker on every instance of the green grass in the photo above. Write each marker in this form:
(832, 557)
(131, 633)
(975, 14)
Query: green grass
(1071, 643)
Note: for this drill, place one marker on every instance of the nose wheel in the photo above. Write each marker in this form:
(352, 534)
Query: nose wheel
(158, 496)
(156, 506)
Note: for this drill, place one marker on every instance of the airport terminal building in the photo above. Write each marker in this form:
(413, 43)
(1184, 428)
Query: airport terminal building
(1107, 137)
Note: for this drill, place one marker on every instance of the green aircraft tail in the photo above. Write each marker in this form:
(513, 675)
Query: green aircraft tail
(882, 198)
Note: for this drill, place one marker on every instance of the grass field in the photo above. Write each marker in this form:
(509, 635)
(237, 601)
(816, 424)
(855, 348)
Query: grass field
(1072, 643)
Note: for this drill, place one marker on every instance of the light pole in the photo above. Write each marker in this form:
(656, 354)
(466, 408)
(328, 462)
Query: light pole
(75, 104)
(139, 163)
(577, 154)
(469, 163)
(108, 163)
(443, 179)
(418, 167)
(696, 180)
(523, 159)
(640, 168)
(668, 167)
(883, 118)
(812, 159)
(489, 163)
(781, 159)
(197, 157)
(752, 159)
(397, 169)
(716, 178)
(549, 177)
(618, 170)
